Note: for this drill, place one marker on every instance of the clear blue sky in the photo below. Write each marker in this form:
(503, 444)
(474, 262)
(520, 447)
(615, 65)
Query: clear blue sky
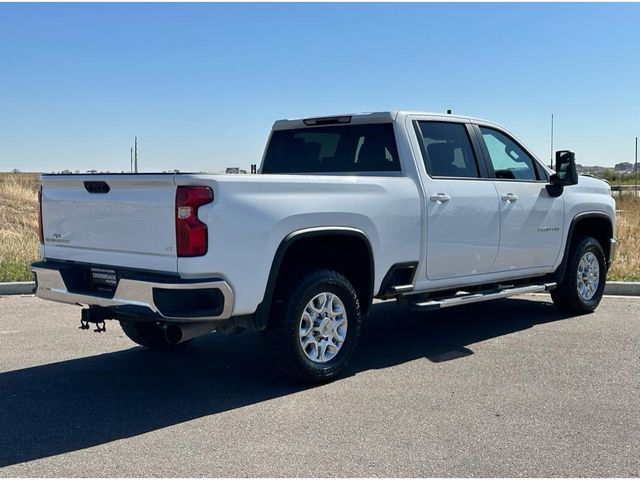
(201, 84)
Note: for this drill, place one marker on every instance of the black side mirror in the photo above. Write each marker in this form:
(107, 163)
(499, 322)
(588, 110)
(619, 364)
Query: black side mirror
(566, 173)
(566, 167)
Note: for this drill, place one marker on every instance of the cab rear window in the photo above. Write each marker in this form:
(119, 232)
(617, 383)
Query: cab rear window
(333, 149)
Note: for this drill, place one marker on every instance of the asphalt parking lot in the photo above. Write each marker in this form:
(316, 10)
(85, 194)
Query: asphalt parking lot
(507, 388)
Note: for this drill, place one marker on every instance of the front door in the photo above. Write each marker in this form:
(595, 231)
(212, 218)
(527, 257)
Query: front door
(531, 220)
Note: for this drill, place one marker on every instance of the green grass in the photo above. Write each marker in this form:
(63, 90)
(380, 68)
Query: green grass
(12, 270)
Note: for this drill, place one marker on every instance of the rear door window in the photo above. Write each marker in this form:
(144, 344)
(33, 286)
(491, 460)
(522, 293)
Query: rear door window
(446, 150)
(333, 149)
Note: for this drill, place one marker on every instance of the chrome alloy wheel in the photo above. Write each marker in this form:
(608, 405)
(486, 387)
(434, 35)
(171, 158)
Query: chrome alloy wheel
(323, 327)
(588, 276)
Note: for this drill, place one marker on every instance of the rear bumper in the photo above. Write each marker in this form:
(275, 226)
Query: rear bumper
(171, 299)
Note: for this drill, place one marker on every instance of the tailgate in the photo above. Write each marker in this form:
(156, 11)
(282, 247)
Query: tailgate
(132, 224)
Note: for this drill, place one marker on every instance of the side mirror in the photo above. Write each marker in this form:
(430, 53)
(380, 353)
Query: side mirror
(565, 175)
(566, 167)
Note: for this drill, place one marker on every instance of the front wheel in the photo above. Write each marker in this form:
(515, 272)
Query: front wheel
(582, 287)
(314, 330)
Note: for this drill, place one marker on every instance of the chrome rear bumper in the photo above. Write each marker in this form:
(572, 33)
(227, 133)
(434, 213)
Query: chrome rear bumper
(130, 293)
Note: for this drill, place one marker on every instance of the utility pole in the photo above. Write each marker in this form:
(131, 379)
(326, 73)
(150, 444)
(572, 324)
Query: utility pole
(131, 166)
(552, 140)
(136, 155)
(635, 167)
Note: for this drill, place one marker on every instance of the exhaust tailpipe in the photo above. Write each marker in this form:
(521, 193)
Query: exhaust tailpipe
(178, 333)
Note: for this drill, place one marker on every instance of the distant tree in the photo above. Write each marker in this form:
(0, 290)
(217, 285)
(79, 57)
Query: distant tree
(623, 167)
(15, 170)
(609, 175)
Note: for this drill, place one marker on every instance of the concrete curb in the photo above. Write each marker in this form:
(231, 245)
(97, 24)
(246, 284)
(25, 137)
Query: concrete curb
(631, 289)
(17, 288)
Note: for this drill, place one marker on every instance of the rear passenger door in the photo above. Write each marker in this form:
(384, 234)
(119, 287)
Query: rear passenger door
(531, 220)
(463, 216)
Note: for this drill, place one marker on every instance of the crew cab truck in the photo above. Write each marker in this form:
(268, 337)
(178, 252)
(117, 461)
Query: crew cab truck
(431, 210)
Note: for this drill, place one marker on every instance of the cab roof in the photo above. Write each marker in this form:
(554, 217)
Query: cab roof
(367, 117)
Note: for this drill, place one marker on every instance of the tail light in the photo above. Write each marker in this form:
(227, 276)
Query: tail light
(191, 233)
(40, 229)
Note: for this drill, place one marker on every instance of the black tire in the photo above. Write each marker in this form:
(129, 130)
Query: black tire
(566, 297)
(285, 322)
(147, 334)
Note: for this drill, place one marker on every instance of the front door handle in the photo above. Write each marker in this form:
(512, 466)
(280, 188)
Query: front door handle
(440, 198)
(510, 197)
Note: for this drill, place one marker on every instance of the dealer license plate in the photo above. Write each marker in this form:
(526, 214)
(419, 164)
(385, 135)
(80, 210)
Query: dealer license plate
(103, 278)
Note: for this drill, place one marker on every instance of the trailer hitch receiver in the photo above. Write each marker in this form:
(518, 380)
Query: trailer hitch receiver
(96, 315)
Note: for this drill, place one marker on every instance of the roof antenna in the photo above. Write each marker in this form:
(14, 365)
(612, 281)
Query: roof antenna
(448, 112)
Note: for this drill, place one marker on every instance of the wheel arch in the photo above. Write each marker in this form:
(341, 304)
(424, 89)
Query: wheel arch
(363, 281)
(596, 224)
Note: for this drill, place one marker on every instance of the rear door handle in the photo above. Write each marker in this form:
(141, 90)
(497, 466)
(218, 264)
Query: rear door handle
(440, 198)
(510, 197)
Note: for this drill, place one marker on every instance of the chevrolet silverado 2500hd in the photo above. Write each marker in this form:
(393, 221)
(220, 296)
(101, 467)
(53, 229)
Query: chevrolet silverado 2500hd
(432, 210)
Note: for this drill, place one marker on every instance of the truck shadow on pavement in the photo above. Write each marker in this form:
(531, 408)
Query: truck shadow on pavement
(67, 406)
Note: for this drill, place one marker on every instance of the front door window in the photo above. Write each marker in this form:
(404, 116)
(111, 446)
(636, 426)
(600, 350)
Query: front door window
(509, 161)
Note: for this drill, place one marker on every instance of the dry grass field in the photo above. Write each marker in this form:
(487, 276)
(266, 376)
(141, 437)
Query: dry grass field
(19, 230)
(19, 245)
(627, 264)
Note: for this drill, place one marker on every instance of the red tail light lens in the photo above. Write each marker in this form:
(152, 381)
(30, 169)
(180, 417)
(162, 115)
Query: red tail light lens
(191, 233)
(40, 229)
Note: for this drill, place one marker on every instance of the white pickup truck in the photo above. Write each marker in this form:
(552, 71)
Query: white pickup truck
(432, 210)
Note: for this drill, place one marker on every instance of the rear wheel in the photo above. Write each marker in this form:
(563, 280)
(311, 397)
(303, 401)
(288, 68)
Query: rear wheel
(147, 334)
(314, 330)
(582, 287)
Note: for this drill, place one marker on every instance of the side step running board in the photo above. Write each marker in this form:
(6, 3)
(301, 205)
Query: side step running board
(464, 299)
(401, 288)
